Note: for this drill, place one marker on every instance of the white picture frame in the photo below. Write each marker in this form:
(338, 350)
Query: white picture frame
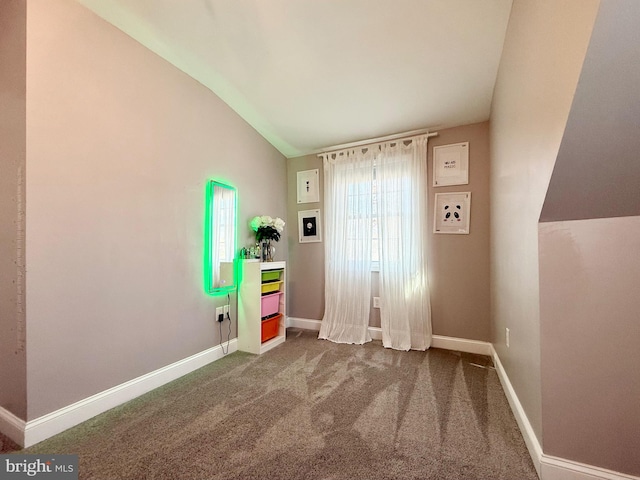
(452, 213)
(308, 186)
(451, 164)
(309, 226)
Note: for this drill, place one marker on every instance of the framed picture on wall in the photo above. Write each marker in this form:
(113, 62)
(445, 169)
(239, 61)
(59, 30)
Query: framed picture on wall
(309, 228)
(308, 185)
(451, 164)
(452, 213)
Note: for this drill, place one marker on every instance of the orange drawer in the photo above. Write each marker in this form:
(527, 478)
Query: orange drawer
(270, 327)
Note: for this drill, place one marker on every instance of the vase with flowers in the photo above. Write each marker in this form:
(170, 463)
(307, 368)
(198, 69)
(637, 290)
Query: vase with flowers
(267, 229)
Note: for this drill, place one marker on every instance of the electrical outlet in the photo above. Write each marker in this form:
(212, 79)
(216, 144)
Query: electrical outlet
(220, 314)
(506, 336)
(376, 302)
(226, 309)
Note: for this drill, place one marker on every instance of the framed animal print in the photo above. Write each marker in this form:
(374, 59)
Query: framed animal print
(452, 213)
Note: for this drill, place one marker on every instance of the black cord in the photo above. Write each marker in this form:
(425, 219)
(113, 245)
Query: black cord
(229, 335)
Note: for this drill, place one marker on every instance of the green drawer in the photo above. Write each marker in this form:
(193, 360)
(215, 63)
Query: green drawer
(271, 275)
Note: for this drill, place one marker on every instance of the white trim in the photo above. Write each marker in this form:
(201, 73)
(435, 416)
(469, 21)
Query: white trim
(304, 323)
(12, 426)
(437, 341)
(55, 422)
(547, 466)
(530, 438)
(376, 333)
(34, 431)
(554, 468)
(462, 345)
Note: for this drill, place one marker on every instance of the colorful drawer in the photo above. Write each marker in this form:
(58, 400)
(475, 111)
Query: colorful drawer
(270, 304)
(269, 328)
(271, 275)
(270, 287)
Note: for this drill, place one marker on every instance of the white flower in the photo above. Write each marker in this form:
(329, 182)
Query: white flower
(278, 224)
(262, 221)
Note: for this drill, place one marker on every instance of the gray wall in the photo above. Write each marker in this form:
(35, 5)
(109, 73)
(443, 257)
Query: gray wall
(306, 267)
(458, 264)
(120, 146)
(590, 268)
(589, 304)
(544, 48)
(13, 37)
(598, 169)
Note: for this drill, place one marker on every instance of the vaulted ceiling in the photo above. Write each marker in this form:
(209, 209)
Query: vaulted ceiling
(308, 74)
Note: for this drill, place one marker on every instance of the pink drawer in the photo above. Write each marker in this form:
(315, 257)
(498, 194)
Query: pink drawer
(270, 304)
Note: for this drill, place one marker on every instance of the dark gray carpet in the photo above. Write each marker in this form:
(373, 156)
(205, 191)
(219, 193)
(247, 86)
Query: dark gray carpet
(311, 409)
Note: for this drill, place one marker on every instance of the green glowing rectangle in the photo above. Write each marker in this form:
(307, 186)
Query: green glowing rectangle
(220, 263)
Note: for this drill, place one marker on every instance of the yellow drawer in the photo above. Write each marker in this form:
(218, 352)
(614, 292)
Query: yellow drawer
(270, 287)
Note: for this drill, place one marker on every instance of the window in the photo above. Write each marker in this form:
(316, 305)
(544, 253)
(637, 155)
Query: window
(364, 197)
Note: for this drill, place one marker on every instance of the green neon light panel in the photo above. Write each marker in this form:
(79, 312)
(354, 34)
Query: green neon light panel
(220, 239)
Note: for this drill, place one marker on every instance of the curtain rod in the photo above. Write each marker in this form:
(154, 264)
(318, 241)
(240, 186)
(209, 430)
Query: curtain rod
(362, 143)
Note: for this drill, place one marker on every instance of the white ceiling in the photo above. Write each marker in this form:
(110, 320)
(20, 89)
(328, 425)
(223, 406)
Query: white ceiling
(309, 74)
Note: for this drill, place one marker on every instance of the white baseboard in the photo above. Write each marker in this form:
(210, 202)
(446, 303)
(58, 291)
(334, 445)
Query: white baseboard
(530, 439)
(554, 468)
(34, 431)
(304, 323)
(547, 466)
(462, 345)
(376, 333)
(12, 426)
(41, 428)
(437, 341)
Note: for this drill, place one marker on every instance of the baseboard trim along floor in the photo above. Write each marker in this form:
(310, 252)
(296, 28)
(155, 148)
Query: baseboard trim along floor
(554, 468)
(12, 426)
(438, 341)
(548, 467)
(530, 439)
(34, 431)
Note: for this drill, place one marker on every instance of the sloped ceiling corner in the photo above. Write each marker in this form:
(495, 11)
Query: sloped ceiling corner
(307, 74)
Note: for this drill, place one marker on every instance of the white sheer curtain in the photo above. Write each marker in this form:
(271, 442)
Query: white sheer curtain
(377, 190)
(401, 183)
(348, 180)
